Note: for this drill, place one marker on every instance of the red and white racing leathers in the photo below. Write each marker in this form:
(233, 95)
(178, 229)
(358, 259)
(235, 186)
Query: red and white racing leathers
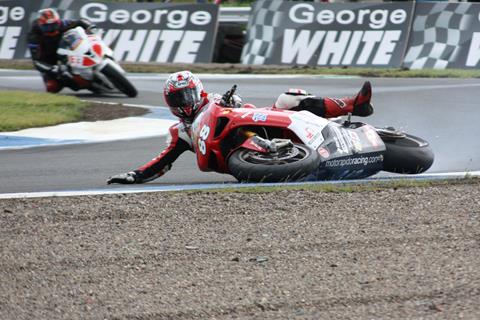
(178, 142)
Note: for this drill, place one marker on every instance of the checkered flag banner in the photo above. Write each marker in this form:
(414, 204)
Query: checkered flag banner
(438, 33)
(262, 29)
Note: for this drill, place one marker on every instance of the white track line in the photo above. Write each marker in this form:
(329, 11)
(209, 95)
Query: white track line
(152, 188)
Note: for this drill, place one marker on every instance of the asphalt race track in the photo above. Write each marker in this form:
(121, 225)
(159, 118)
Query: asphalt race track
(442, 111)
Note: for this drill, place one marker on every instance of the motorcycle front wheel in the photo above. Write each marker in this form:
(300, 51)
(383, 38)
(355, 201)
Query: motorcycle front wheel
(119, 81)
(288, 164)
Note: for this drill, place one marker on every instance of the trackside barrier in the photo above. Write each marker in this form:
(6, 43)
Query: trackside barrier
(400, 34)
(316, 34)
(444, 35)
(414, 35)
(137, 32)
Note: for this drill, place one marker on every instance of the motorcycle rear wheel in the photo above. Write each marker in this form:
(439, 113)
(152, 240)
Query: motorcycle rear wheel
(119, 81)
(407, 154)
(291, 164)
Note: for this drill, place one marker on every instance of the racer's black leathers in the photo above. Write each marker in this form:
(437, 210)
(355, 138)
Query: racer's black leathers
(43, 49)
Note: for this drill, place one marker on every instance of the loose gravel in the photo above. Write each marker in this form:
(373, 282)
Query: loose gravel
(393, 253)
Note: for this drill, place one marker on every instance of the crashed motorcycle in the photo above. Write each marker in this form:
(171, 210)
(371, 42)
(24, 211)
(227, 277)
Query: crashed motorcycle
(271, 145)
(91, 64)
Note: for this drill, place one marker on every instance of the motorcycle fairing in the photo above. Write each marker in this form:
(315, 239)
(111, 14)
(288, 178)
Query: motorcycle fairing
(349, 152)
(84, 52)
(308, 127)
(208, 147)
(202, 135)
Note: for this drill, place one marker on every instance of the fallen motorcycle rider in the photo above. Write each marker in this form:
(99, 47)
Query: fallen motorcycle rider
(186, 97)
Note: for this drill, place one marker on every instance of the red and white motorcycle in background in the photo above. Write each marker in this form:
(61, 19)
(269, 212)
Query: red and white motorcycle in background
(91, 63)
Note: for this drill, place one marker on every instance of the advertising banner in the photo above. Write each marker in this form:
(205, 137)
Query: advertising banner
(327, 34)
(444, 35)
(137, 32)
(14, 25)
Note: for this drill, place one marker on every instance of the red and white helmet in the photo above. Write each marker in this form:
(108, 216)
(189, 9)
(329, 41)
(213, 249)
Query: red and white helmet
(49, 21)
(184, 93)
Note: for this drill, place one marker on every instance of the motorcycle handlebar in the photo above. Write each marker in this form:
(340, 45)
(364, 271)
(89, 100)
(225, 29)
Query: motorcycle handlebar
(227, 97)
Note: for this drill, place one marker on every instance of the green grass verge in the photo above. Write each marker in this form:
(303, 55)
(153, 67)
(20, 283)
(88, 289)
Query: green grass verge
(350, 187)
(230, 68)
(247, 69)
(23, 109)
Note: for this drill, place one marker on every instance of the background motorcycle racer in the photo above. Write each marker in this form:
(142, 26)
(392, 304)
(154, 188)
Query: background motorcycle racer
(185, 96)
(43, 41)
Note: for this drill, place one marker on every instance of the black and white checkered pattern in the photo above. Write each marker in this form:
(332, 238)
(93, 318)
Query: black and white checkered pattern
(265, 19)
(436, 35)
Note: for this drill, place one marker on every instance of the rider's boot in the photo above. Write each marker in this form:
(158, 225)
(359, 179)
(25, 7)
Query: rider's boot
(358, 105)
(53, 86)
(68, 81)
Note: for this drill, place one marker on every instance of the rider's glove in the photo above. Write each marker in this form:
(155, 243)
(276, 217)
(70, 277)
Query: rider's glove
(91, 29)
(54, 70)
(236, 101)
(125, 178)
(58, 70)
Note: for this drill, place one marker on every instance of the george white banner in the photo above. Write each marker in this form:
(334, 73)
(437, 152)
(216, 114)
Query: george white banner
(137, 32)
(327, 34)
(13, 28)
